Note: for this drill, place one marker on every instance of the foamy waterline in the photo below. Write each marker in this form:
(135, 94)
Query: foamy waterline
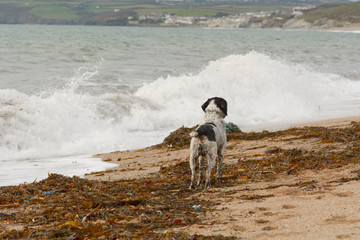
(35, 170)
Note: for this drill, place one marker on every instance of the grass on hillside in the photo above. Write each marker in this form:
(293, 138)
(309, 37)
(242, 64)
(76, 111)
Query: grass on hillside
(51, 11)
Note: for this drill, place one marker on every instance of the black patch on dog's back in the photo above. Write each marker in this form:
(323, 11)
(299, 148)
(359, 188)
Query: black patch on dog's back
(207, 130)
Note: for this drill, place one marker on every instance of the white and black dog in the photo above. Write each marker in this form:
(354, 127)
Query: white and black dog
(209, 140)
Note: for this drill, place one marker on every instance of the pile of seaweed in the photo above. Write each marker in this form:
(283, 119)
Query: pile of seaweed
(279, 161)
(74, 208)
(180, 139)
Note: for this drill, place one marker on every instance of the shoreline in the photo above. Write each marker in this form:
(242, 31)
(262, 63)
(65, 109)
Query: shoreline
(350, 28)
(353, 28)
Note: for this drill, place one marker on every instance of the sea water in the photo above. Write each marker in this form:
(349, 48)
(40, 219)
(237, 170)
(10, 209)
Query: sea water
(68, 92)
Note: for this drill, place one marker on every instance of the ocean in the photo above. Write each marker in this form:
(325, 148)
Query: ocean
(68, 92)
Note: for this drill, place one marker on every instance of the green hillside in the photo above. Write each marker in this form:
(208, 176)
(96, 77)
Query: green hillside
(53, 11)
(348, 12)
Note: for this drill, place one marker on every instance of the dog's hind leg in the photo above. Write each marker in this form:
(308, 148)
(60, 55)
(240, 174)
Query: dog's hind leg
(193, 157)
(201, 170)
(211, 163)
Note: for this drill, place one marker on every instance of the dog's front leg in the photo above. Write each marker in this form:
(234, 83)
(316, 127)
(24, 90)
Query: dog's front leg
(211, 163)
(219, 167)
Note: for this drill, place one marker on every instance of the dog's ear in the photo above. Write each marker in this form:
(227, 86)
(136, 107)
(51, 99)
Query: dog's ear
(222, 104)
(204, 106)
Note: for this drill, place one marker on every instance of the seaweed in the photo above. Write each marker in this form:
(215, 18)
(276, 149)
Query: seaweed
(180, 139)
(276, 161)
(77, 208)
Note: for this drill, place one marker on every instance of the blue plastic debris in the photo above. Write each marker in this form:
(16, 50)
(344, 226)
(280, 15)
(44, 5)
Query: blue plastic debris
(196, 207)
(49, 192)
(232, 127)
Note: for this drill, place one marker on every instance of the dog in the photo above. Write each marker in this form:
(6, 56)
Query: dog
(208, 141)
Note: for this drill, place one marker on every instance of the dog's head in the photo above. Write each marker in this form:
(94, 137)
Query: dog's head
(216, 104)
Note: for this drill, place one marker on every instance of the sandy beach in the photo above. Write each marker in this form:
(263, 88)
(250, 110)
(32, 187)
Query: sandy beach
(297, 183)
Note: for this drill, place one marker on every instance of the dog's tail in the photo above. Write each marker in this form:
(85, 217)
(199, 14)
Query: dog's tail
(194, 134)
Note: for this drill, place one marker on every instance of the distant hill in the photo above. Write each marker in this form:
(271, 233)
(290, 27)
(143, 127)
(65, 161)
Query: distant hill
(119, 12)
(348, 12)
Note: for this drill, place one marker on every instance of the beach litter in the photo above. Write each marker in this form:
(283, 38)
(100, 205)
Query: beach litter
(196, 207)
(48, 192)
(232, 127)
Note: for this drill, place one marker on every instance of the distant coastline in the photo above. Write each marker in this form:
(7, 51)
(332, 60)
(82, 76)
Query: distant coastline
(340, 17)
(231, 23)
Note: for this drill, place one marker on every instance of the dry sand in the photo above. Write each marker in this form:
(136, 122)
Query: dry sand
(310, 205)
